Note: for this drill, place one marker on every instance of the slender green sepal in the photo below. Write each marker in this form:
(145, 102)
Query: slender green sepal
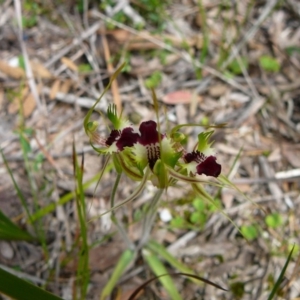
(86, 122)
(226, 182)
(135, 194)
(204, 195)
(178, 127)
(117, 163)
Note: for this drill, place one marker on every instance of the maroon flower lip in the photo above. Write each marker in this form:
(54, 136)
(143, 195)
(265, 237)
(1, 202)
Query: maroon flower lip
(149, 134)
(124, 138)
(150, 139)
(206, 165)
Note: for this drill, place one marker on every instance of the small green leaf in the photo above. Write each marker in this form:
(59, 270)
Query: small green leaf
(237, 65)
(198, 217)
(178, 222)
(38, 161)
(154, 80)
(84, 68)
(199, 204)
(274, 220)
(25, 144)
(269, 63)
(237, 289)
(21, 62)
(292, 49)
(249, 232)
(205, 121)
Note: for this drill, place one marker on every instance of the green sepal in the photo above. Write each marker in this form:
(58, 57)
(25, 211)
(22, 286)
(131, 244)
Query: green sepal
(178, 137)
(129, 169)
(161, 175)
(168, 154)
(118, 122)
(92, 126)
(117, 164)
(138, 155)
(89, 113)
(203, 145)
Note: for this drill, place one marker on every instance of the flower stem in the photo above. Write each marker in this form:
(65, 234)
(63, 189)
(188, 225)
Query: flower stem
(149, 219)
(121, 228)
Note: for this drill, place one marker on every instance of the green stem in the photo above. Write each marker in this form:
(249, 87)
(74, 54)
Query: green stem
(150, 218)
(130, 245)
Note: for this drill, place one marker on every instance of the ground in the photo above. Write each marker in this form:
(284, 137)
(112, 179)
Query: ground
(235, 63)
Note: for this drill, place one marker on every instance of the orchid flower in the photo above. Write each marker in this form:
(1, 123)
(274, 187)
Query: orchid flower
(202, 161)
(135, 150)
(121, 136)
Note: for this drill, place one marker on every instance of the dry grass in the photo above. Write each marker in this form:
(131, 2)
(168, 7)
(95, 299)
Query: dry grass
(261, 108)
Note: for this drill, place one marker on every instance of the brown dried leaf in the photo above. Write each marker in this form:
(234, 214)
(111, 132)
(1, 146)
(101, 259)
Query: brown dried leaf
(29, 105)
(218, 90)
(1, 98)
(65, 86)
(40, 71)
(292, 154)
(69, 63)
(178, 97)
(54, 89)
(15, 104)
(26, 98)
(14, 72)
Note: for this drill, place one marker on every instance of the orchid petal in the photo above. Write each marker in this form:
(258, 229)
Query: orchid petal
(209, 167)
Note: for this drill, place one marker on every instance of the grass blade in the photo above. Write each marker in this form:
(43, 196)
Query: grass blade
(159, 269)
(19, 193)
(279, 280)
(122, 264)
(66, 198)
(163, 252)
(83, 273)
(20, 289)
(10, 231)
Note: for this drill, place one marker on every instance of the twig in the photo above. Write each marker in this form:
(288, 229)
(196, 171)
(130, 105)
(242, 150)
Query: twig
(110, 68)
(75, 42)
(80, 101)
(28, 69)
(183, 54)
(249, 35)
(150, 218)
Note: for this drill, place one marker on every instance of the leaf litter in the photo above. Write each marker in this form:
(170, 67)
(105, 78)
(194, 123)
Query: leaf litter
(259, 103)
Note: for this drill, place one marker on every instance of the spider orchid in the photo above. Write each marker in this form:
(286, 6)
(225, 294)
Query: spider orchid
(154, 150)
(121, 136)
(135, 151)
(202, 161)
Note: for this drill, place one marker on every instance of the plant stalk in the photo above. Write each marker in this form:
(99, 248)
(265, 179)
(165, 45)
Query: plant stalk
(150, 218)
